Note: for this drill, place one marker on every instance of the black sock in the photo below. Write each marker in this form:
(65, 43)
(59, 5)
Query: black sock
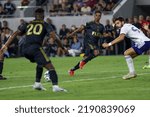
(89, 58)
(76, 67)
(54, 77)
(1, 67)
(39, 71)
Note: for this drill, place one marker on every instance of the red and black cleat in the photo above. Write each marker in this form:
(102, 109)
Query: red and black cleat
(81, 65)
(71, 72)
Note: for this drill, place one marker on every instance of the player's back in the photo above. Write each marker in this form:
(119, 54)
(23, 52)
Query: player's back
(134, 33)
(35, 32)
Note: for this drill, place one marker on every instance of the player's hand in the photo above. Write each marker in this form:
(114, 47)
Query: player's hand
(105, 45)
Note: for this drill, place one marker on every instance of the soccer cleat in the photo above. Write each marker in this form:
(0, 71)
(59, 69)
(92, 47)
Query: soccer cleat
(146, 67)
(38, 86)
(56, 88)
(129, 76)
(2, 78)
(81, 65)
(71, 72)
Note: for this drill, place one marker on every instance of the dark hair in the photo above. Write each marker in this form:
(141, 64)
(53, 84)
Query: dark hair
(39, 10)
(120, 19)
(98, 11)
(39, 13)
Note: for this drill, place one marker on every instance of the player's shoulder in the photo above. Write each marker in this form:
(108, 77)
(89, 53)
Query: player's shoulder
(100, 24)
(22, 26)
(45, 23)
(36, 22)
(90, 23)
(127, 25)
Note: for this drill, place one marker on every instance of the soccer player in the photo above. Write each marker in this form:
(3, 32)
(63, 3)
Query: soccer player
(35, 31)
(1, 60)
(1, 67)
(93, 32)
(142, 44)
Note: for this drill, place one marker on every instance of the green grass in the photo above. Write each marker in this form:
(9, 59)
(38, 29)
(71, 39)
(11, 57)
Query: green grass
(101, 79)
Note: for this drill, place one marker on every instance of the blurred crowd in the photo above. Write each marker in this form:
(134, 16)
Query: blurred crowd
(74, 44)
(80, 7)
(8, 8)
(61, 7)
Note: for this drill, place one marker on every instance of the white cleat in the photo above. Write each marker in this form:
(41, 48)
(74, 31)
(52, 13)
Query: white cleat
(129, 76)
(38, 86)
(56, 88)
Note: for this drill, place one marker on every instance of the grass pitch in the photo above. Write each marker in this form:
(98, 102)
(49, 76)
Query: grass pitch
(101, 79)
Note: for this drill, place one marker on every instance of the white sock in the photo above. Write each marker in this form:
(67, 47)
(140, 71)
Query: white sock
(55, 86)
(130, 64)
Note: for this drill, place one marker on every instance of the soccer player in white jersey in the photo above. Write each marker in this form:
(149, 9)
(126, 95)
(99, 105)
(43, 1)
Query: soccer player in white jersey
(142, 44)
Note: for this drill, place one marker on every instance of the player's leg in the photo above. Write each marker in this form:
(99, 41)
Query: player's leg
(42, 59)
(94, 54)
(54, 78)
(129, 55)
(1, 67)
(29, 54)
(133, 52)
(89, 55)
(39, 71)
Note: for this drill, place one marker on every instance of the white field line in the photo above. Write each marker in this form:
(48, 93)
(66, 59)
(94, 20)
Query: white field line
(26, 86)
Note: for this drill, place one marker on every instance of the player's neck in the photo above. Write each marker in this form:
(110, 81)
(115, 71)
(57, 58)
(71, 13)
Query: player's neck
(97, 22)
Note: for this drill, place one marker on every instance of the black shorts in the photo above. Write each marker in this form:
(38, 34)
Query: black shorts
(36, 54)
(89, 49)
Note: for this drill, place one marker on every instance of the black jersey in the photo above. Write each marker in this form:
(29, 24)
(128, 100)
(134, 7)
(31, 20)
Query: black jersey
(35, 31)
(93, 32)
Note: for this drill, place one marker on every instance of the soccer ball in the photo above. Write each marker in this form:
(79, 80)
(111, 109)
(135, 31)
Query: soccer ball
(47, 76)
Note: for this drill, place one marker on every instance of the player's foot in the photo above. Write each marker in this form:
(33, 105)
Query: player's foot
(129, 76)
(2, 78)
(146, 67)
(56, 88)
(81, 65)
(38, 86)
(71, 72)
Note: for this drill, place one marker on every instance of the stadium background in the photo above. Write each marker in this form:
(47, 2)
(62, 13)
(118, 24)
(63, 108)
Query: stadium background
(63, 12)
(90, 83)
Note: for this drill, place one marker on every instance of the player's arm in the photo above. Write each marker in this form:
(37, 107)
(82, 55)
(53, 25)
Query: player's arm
(77, 30)
(10, 39)
(115, 41)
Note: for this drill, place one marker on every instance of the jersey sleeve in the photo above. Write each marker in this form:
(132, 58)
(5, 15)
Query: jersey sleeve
(49, 28)
(87, 26)
(22, 28)
(124, 30)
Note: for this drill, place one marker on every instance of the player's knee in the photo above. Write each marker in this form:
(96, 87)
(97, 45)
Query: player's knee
(126, 53)
(49, 66)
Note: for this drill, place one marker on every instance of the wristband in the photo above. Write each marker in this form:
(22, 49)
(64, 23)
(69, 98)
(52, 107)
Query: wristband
(110, 44)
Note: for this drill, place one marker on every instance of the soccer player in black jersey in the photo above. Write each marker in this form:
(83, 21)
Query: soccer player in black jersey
(93, 32)
(1, 62)
(35, 31)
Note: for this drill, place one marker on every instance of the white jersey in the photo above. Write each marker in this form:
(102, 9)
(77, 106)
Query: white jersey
(135, 34)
